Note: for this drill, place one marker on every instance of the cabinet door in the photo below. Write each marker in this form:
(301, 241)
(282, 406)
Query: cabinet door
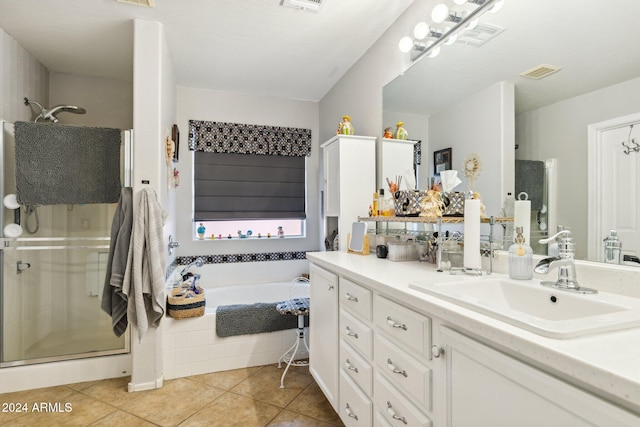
(323, 332)
(331, 171)
(487, 388)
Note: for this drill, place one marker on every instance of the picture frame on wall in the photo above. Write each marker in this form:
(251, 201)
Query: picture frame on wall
(175, 136)
(441, 160)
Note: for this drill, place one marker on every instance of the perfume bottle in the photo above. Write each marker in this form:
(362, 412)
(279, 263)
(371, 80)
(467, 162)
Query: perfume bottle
(520, 258)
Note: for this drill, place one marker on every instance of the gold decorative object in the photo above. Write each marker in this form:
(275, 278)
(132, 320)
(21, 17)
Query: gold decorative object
(472, 167)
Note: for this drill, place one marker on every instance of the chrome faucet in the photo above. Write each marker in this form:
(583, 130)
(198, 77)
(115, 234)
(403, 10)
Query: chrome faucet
(564, 262)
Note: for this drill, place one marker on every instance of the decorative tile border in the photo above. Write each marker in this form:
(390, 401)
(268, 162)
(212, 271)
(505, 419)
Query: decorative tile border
(236, 258)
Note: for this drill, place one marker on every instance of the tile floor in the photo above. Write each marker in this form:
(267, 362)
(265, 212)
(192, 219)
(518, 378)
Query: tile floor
(243, 397)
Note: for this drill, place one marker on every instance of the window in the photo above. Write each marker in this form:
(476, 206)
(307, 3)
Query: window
(249, 177)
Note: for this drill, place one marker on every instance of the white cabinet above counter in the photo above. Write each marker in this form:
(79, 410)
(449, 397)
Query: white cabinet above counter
(600, 371)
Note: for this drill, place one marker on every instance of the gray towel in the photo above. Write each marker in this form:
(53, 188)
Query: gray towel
(114, 301)
(242, 319)
(58, 164)
(530, 179)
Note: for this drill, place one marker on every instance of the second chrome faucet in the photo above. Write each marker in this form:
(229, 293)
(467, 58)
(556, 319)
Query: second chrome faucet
(564, 262)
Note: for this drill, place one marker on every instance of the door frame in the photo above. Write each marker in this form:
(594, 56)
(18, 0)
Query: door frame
(595, 191)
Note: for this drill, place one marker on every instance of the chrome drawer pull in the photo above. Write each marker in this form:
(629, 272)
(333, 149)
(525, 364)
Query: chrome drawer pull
(350, 413)
(395, 324)
(393, 414)
(395, 370)
(350, 297)
(330, 287)
(348, 365)
(351, 333)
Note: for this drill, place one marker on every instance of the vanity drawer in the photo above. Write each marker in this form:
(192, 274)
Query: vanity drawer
(356, 333)
(403, 371)
(355, 298)
(397, 408)
(356, 367)
(355, 408)
(380, 420)
(407, 327)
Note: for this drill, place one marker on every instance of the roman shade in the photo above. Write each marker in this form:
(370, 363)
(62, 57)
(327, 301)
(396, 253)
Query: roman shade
(248, 171)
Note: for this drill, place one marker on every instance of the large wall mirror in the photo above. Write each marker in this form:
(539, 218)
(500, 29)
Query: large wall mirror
(595, 46)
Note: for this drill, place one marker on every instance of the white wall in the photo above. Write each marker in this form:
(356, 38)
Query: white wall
(482, 124)
(21, 75)
(359, 92)
(109, 103)
(200, 104)
(560, 131)
(153, 115)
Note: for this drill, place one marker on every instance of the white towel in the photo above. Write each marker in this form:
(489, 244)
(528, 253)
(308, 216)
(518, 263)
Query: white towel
(144, 277)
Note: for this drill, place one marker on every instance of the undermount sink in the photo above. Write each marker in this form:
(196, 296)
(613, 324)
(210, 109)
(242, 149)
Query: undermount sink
(549, 312)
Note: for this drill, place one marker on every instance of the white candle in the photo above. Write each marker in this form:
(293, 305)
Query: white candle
(522, 218)
(472, 234)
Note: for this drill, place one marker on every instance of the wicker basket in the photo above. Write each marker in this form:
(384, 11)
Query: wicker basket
(183, 303)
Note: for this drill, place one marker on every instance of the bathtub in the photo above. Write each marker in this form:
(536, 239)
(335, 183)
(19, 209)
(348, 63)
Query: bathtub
(191, 346)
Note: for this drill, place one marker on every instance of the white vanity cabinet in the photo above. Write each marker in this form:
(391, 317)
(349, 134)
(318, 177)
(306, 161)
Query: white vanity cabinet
(356, 354)
(349, 180)
(481, 386)
(410, 367)
(323, 332)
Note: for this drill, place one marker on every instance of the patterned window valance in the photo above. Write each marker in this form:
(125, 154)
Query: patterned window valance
(219, 137)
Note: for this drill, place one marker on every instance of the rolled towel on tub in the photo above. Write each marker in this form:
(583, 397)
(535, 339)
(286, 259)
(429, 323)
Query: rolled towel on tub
(243, 319)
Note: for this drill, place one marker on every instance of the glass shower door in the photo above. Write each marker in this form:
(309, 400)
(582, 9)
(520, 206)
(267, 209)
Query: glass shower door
(52, 279)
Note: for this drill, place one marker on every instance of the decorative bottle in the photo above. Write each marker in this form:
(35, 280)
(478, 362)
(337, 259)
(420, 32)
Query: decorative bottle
(520, 258)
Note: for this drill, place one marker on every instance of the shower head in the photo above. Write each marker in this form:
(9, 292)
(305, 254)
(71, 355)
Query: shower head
(50, 114)
(199, 262)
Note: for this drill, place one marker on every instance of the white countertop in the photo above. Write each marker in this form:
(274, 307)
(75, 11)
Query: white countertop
(606, 364)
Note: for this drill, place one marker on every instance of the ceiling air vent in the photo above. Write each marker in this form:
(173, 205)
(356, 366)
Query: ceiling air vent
(148, 3)
(308, 5)
(481, 34)
(540, 71)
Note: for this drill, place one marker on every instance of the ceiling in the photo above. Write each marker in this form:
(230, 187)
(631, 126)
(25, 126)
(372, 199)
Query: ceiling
(247, 46)
(596, 44)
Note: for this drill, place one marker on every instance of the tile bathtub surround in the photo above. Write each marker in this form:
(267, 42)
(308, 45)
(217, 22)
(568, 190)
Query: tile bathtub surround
(243, 397)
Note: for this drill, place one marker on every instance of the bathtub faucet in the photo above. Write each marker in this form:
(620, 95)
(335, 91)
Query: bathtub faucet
(199, 262)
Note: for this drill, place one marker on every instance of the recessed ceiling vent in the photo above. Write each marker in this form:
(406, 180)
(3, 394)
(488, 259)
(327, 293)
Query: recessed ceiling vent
(307, 5)
(540, 71)
(148, 3)
(481, 34)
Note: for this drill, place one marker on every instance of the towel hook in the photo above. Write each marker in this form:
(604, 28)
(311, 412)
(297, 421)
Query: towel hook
(630, 145)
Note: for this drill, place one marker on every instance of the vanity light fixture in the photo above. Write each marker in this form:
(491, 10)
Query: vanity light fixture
(461, 21)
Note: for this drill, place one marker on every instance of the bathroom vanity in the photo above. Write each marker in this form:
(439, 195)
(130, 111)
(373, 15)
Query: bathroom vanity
(388, 353)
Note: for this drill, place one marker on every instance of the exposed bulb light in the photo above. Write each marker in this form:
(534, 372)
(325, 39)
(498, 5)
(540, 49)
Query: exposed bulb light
(406, 44)
(496, 6)
(440, 13)
(421, 30)
(472, 25)
(434, 52)
(451, 39)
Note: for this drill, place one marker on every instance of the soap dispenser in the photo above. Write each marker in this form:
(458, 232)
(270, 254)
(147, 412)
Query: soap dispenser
(612, 248)
(520, 258)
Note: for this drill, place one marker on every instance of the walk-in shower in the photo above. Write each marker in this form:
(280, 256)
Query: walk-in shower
(52, 274)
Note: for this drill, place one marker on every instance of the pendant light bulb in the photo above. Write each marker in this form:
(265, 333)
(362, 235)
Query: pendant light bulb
(451, 40)
(440, 13)
(421, 30)
(405, 44)
(435, 52)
